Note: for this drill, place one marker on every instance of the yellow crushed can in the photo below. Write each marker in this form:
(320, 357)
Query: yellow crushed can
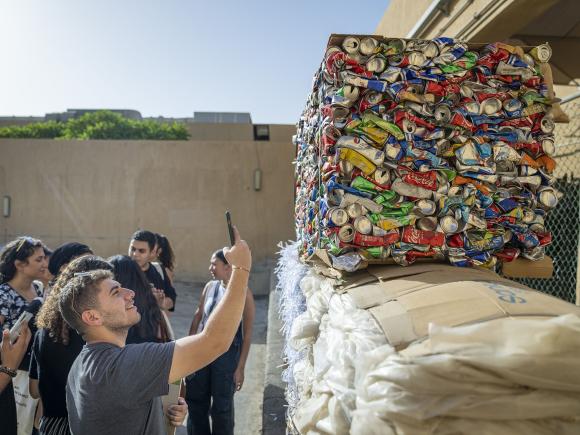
(358, 160)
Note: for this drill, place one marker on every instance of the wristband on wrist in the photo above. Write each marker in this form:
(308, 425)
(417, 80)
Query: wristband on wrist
(10, 372)
(240, 268)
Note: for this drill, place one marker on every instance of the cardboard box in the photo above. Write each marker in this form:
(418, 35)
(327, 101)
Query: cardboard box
(523, 268)
(404, 301)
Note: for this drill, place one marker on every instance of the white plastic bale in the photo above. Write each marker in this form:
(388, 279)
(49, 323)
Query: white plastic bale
(346, 332)
(516, 374)
(291, 303)
(366, 422)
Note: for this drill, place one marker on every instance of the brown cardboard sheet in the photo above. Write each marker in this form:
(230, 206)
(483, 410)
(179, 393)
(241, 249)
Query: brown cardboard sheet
(405, 304)
(520, 267)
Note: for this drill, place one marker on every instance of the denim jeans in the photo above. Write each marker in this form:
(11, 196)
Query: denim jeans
(210, 391)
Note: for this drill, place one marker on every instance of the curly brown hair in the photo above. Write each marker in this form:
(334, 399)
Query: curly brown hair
(49, 316)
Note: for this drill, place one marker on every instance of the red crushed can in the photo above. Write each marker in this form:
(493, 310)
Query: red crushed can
(420, 237)
(508, 254)
(368, 240)
(455, 241)
(426, 180)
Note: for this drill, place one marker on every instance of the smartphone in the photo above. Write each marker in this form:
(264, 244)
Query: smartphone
(22, 320)
(230, 228)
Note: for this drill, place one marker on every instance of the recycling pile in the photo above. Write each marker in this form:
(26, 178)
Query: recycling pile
(437, 149)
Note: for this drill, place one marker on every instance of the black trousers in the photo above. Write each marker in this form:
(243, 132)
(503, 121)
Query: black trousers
(210, 391)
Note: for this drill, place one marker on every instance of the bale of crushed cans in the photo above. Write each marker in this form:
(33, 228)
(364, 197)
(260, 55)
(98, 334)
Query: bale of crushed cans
(434, 149)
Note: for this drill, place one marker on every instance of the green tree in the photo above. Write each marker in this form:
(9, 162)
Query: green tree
(102, 124)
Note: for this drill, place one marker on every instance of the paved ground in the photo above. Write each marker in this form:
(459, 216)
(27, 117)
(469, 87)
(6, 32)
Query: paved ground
(248, 402)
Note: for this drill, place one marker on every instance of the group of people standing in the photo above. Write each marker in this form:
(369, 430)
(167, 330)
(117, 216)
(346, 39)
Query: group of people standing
(39, 364)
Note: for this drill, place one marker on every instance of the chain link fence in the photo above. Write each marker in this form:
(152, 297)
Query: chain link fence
(564, 220)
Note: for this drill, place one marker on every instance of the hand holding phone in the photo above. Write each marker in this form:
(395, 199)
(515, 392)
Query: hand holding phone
(17, 327)
(230, 228)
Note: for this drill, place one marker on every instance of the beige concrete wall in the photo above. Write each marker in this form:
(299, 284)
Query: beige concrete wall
(99, 192)
(472, 20)
(400, 17)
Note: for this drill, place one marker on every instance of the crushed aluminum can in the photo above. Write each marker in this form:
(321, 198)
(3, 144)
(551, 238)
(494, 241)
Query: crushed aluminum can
(417, 58)
(426, 207)
(346, 168)
(368, 46)
(409, 127)
(547, 124)
(548, 146)
(399, 60)
(506, 69)
(393, 151)
(369, 240)
(420, 237)
(363, 225)
(476, 221)
(448, 224)
(534, 254)
(346, 233)
(369, 204)
(337, 216)
(428, 223)
(548, 197)
(442, 113)
(527, 170)
(355, 210)
(430, 50)
(394, 46)
(358, 160)
(490, 106)
(512, 105)
(380, 252)
(360, 146)
(376, 64)
(528, 216)
(472, 107)
(542, 53)
(382, 176)
(351, 45)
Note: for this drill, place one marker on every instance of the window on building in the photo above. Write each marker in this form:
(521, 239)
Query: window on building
(261, 132)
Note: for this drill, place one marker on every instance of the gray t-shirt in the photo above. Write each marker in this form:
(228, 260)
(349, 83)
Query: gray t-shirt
(114, 390)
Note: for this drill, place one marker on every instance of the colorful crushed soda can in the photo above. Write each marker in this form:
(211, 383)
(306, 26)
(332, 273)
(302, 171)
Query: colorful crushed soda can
(346, 233)
(425, 180)
(428, 223)
(542, 53)
(369, 240)
(449, 224)
(363, 225)
(379, 252)
(368, 46)
(337, 216)
(415, 236)
(413, 191)
(391, 223)
(426, 207)
(357, 160)
(355, 210)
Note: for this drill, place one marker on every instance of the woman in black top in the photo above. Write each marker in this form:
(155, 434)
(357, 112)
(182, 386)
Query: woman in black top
(54, 350)
(153, 326)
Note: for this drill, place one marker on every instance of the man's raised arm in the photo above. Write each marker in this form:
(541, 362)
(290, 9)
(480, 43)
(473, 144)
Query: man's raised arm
(194, 352)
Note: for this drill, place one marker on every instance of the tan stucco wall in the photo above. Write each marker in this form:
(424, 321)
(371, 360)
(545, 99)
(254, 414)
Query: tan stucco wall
(400, 17)
(99, 192)
(495, 21)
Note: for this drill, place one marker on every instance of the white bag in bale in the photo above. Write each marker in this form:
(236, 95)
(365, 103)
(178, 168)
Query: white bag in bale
(508, 376)
(346, 331)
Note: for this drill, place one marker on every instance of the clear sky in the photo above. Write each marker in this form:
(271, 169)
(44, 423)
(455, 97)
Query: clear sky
(170, 57)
